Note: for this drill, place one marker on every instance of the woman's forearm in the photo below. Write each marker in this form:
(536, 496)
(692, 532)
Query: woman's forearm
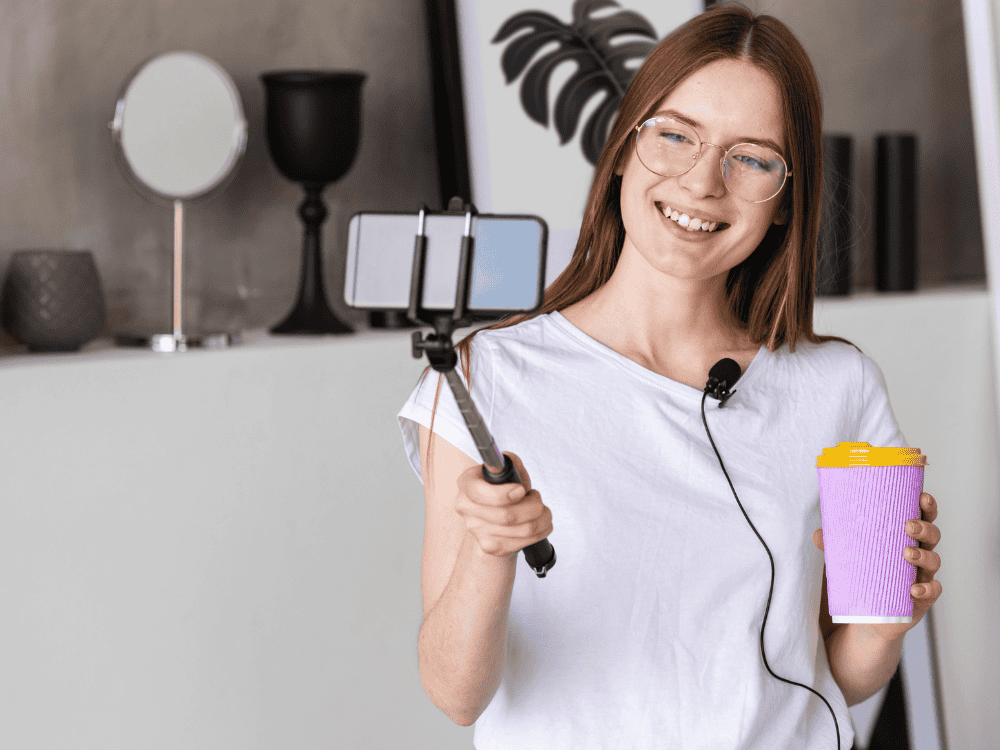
(862, 663)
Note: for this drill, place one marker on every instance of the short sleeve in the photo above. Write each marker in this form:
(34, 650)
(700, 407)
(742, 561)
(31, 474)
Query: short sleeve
(877, 424)
(448, 420)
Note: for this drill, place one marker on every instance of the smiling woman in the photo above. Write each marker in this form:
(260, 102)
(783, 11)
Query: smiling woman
(698, 243)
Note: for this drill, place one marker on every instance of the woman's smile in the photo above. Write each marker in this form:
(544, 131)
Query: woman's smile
(691, 221)
(695, 235)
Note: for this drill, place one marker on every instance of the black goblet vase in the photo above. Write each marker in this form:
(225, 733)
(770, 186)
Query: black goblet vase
(313, 127)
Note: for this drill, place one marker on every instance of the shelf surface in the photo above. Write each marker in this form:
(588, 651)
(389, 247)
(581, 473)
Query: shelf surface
(104, 349)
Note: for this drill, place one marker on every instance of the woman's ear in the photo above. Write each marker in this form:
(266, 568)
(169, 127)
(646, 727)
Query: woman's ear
(784, 209)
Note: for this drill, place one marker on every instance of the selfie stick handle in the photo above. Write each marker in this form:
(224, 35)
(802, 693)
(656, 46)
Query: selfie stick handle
(497, 468)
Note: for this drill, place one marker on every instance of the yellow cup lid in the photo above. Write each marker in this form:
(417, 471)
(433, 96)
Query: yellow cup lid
(863, 454)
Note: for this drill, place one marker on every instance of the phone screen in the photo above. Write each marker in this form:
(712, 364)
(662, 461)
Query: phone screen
(508, 262)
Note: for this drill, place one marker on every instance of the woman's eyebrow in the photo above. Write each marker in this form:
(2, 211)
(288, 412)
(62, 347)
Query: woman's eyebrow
(742, 139)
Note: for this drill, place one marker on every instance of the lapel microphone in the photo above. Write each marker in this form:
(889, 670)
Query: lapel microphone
(721, 378)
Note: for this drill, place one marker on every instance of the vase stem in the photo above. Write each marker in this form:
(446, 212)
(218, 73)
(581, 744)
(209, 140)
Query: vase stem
(313, 213)
(311, 313)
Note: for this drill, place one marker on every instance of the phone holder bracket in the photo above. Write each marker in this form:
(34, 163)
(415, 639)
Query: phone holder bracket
(438, 345)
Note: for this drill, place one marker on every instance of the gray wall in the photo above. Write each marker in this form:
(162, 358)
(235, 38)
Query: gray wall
(892, 65)
(63, 63)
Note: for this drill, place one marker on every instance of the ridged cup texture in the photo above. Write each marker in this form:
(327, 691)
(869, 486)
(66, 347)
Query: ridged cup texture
(864, 513)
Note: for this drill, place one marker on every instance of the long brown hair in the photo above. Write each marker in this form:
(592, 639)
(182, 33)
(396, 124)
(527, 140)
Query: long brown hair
(771, 291)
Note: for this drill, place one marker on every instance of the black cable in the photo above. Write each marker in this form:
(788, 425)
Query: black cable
(718, 387)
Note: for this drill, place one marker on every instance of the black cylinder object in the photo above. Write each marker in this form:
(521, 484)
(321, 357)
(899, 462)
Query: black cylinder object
(895, 212)
(52, 299)
(833, 264)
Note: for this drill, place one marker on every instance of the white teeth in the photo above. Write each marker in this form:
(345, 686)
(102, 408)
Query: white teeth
(692, 224)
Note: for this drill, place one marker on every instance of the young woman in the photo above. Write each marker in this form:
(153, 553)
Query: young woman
(698, 243)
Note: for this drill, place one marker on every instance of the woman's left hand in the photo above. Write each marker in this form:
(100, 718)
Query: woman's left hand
(925, 590)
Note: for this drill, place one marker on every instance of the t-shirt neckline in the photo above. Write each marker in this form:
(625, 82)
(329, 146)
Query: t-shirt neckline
(654, 377)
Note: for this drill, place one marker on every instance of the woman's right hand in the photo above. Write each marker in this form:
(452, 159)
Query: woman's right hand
(503, 518)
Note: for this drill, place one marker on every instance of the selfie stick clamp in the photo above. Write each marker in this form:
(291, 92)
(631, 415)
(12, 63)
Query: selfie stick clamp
(497, 468)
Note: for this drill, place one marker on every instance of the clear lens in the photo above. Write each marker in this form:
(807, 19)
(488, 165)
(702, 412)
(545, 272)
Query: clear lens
(667, 147)
(670, 148)
(755, 173)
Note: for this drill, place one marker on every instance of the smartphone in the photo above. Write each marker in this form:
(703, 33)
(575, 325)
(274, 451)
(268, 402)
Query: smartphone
(508, 262)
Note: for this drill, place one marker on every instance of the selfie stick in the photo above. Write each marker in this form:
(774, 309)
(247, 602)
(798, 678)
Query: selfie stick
(497, 468)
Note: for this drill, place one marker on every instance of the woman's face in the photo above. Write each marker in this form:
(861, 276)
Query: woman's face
(730, 101)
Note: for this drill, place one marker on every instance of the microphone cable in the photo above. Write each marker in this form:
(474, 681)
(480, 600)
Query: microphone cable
(721, 377)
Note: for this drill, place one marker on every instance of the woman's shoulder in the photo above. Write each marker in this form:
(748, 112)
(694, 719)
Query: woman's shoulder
(828, 361)
(520, 331)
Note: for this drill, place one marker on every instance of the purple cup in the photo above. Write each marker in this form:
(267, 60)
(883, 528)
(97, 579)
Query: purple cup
(864, 510)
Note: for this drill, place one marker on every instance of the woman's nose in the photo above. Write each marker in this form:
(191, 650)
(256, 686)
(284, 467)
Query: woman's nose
(705, 177)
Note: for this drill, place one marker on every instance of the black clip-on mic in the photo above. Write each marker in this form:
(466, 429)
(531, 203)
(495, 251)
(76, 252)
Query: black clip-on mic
(497, 468)
(721, 377)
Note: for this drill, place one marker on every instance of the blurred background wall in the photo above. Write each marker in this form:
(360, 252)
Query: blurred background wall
(891, 65)
(900, 65)
(63, 64)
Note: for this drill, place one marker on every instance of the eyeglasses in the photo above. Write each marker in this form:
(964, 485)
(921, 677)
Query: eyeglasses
(669, 148)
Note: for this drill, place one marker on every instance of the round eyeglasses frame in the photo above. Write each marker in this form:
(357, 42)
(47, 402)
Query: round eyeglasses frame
(722, 161)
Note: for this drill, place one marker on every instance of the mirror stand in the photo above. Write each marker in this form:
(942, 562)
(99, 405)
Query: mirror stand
(177, 341)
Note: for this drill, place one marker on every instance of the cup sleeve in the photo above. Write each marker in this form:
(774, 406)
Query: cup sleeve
(449, 423)
(877, 423)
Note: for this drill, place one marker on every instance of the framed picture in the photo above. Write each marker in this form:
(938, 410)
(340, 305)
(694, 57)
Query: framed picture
(525, 93)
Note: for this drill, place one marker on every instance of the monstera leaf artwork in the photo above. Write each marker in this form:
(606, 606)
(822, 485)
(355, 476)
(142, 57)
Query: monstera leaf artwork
(601, 66)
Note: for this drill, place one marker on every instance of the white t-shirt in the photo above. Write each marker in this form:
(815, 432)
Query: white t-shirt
(646, 633)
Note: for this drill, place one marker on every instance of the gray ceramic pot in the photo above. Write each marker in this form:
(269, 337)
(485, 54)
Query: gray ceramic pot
(52, 299)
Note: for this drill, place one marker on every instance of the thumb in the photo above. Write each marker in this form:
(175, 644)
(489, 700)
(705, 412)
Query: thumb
(817, 539)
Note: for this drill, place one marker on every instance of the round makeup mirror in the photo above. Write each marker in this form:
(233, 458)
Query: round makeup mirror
(179, 134)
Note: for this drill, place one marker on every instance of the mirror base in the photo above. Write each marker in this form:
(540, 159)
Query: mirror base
(168, 342)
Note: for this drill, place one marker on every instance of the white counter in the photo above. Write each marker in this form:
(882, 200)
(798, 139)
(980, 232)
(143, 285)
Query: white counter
(221, 549)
